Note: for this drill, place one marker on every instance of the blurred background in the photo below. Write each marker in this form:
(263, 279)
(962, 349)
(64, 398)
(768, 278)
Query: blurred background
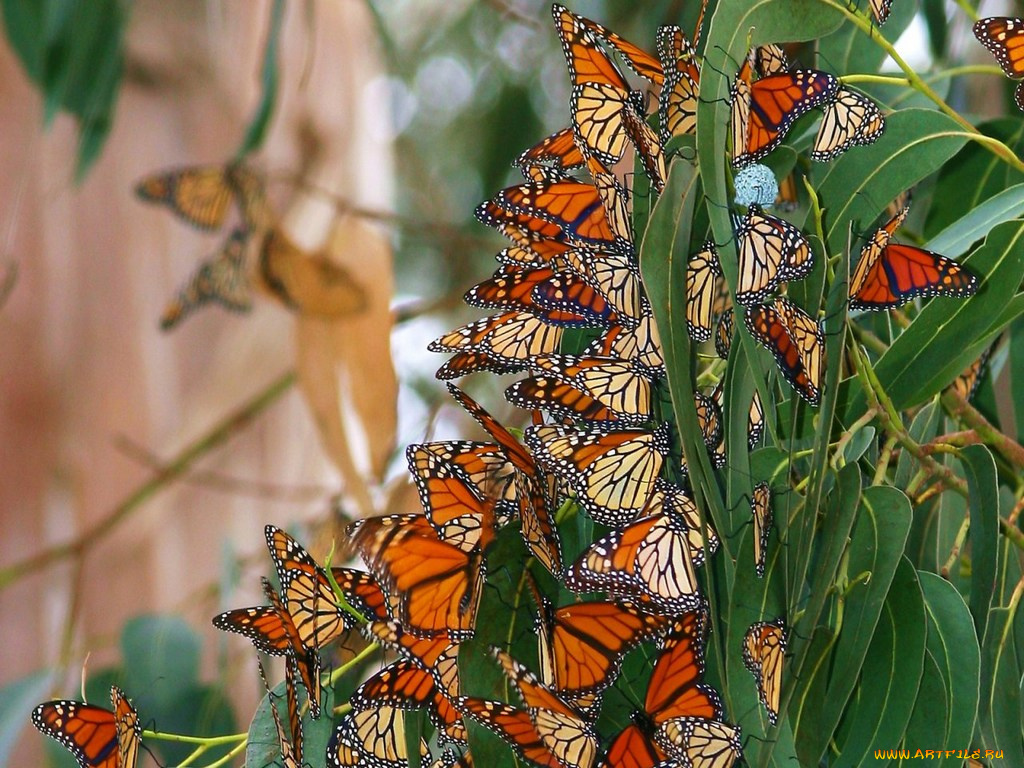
(138, 467)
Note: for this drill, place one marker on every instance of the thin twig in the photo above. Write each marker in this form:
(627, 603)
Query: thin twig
(296, 494)
(1003, 444)
(226, 428)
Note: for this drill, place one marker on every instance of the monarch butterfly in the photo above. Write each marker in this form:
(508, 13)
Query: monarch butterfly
(967, 383)
(702, 743)
(561, 727)
(565, 292)
(528, 231)
(764, 648)
(755, 420)
(586, 388)
(272, 630)
(538, 528)
(796, 341)
(615, 200)
(432, 585)
(674, 691)
(558, 298)
(453, 505)
(452, 760)
(1004, 37)
(362, 592)
(638, 60)
(710, 421)
(221, 278)
(484, 465)
(437, 654)
(405, 684)
(640, 343)
(502, 343)
(724, 334)
(614, 275)
(850, 119)
(573, 207)
(202, 195)
(371, 738)
(514, 726)
(677, 102)
(650, 561)
(771, 251)
(306, 592)
(771, 60)
(761, 510)
(581, 644)
(880, 9)
(97, 737)
(519, 256)
(613, 472)
(559, 149)
(606, 112)
(670, 499)
(763, 111)
(290, 746)
(788, 198)
(704, 283)
(889, 274)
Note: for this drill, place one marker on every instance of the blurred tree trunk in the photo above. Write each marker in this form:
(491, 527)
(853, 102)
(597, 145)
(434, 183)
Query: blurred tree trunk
(83, 361)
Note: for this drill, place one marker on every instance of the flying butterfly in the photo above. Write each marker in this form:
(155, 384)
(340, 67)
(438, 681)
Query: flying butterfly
(222, 278)
(96, 737)
(797, 342)
(771, 251)
(1004, 37)
(764, 649)
(202, 195)
(613, 472)
(763, 110)
(582, 644)
(433, 586)
(850, 119)
(889, 274)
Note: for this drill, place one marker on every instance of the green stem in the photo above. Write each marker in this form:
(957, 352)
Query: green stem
(867, 26)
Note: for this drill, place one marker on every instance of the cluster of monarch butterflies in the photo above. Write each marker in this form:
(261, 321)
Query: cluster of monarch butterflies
(571, 264)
